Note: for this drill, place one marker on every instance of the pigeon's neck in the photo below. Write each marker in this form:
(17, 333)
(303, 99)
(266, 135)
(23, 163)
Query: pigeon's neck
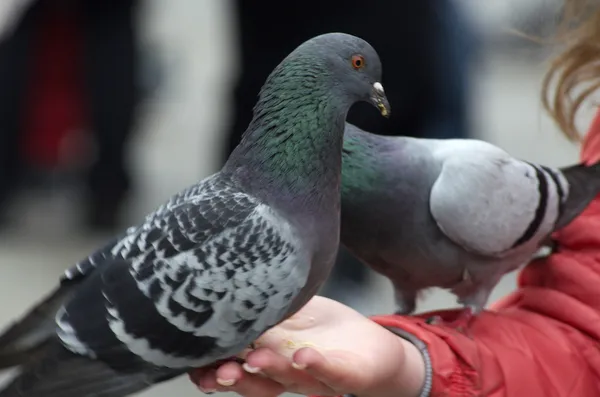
(361, 159)
(294, 144)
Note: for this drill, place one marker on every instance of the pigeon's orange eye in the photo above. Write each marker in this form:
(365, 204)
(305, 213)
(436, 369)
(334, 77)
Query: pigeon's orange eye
(358, 61)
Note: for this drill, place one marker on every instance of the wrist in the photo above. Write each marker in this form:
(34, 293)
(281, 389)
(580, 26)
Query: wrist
(412, 377)
(409, 376)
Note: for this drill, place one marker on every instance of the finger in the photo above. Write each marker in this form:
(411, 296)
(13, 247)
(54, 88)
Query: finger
(207, 375)
(205, 380)
(279, 368)
(267, 362)
(257, 386)
(229, 374)
(231, 377)
(331, 371)
(196, 374)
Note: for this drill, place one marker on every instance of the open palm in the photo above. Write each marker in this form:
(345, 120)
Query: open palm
(324, 349)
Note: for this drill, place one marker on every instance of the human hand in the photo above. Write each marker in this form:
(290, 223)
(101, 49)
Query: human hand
(325, 349)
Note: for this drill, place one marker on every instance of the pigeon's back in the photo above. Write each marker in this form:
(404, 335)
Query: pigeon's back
(388, 215)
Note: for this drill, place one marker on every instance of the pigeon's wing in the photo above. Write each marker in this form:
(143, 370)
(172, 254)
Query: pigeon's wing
(490, 203)
(198, 285)
(30, 333)
(208, 279)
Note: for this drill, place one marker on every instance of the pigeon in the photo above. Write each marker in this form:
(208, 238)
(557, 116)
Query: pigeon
(453, 213)
(222, 261)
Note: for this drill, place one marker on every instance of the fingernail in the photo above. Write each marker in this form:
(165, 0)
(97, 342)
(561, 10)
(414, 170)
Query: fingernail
(248, 368)
(298, 366)
(206, 391)
(226, 382)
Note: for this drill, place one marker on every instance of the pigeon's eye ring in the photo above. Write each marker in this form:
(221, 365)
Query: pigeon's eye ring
(358, 62)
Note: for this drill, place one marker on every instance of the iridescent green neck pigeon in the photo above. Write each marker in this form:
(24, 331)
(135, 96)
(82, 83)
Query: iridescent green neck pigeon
(222, 261)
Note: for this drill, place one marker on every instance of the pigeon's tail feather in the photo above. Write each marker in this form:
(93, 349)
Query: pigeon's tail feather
(584, 186)
(61, 373)
(29, 334)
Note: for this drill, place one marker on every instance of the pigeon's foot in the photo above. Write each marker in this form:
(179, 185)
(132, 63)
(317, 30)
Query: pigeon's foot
(460, 323)
(218, 363)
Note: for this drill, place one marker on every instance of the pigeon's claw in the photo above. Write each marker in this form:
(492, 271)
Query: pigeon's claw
(460, 323)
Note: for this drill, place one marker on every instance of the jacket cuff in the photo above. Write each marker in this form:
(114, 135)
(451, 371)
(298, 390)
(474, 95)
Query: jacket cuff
(427, 384)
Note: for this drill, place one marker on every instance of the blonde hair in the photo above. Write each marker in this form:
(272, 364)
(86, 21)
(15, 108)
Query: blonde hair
(575, 73)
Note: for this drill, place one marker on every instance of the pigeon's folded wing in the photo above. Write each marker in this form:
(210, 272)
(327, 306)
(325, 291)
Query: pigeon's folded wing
(492, 205)
(187, 220)
(188, 296)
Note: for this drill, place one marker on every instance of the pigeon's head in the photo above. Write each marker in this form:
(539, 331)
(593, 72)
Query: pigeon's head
(351, 66)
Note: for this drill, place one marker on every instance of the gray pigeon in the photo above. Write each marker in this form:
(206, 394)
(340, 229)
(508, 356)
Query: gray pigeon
(455, 213)
(221, 262)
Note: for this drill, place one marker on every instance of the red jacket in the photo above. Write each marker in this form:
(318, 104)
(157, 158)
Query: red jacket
(543, 339)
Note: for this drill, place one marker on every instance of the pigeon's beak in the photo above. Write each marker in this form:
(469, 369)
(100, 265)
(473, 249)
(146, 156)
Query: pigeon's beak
(379, 99)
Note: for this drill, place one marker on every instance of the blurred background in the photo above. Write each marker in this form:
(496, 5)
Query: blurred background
(109, 107)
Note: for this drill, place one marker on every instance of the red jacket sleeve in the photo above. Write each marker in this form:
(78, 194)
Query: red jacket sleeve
(543, 339)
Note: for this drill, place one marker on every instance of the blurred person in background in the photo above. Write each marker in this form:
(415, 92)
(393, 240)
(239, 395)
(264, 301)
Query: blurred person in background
(428, 47)
(69, 65)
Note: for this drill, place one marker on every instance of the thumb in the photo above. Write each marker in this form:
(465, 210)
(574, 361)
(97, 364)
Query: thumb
(339, 374)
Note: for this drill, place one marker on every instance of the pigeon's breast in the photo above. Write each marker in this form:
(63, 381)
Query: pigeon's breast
(321, 234)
